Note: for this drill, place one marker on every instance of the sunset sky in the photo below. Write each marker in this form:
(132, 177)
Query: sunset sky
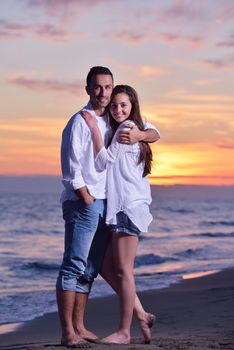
(178, 55)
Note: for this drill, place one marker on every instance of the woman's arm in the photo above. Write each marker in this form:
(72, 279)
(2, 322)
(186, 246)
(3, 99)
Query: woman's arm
(98, 143)
(103, 156)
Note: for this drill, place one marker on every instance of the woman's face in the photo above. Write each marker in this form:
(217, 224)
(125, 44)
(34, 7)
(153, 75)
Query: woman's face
(120, 107)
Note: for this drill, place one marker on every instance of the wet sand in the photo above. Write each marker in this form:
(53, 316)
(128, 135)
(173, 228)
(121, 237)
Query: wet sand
(194, 314)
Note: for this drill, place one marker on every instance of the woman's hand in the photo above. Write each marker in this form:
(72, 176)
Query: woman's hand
(94, 130)
(89, 119)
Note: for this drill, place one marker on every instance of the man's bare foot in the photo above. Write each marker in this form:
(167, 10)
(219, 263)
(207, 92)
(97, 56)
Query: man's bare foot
(86, 334)
(146, 325)
(74, 341)
(117, 338)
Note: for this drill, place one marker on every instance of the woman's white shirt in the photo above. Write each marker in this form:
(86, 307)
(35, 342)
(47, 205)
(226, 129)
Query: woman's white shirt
(127, 190)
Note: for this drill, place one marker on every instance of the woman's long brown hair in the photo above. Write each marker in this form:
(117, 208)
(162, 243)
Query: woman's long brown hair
(145, 156)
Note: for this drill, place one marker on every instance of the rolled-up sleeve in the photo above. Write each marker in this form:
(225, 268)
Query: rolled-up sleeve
(107, 155)
(71, 153)
(148, 125)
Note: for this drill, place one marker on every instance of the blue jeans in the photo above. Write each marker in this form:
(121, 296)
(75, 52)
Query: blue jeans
(86, 238)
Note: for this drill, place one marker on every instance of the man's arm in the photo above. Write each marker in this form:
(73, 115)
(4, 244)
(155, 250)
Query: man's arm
(72, 145)
(136, 135)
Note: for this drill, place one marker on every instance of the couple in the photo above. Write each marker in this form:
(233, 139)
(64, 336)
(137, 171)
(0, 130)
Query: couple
(105, 206)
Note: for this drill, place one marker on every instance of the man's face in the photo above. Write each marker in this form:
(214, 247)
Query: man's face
(100, 90)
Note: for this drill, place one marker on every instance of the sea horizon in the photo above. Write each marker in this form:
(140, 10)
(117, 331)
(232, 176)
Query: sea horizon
(53, 184)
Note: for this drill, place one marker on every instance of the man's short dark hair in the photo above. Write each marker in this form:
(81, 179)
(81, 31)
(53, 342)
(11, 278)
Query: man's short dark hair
(97, 70)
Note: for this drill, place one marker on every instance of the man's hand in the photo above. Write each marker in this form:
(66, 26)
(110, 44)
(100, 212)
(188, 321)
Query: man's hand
(135, 135)
(132, 136)
(84, 194)
(89, 199)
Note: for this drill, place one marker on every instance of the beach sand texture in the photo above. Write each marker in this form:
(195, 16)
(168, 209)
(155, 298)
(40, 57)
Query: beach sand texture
(195, 314)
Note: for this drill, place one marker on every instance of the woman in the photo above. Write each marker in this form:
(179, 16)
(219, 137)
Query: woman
(128, 199)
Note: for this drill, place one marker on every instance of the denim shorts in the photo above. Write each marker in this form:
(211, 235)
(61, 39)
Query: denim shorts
(125, 225)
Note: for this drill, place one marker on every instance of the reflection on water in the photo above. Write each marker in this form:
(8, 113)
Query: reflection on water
(198, 274)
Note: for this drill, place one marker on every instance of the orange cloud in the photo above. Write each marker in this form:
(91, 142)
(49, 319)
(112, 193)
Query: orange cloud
(193, 164)
(226, 143)
(151, 71)
(145, 70)
(192, 180)
(30, 147)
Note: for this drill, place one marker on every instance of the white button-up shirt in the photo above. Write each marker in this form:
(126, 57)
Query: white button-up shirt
(127, 190)
(77, 157)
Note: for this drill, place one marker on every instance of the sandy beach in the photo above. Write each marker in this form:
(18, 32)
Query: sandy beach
(197, 313)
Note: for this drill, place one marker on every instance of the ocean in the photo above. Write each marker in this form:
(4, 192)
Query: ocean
(192, 233)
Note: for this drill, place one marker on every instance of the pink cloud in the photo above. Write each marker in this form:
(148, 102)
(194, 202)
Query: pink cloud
(228, 144)
(130, 36)
(74, 87)
(226, 63)
(227, 11)
(10, 30)
(178, 37)
(227, 43)
(52, 33)
(65, 9)
(135, 37)
(182, 10)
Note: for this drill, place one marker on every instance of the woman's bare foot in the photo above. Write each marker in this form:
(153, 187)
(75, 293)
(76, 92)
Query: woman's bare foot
(86, 334)
(145, 325)
(117, 338)
(74, 341)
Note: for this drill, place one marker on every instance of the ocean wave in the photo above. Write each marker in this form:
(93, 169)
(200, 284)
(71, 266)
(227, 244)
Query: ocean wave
(214, 234)
(47, 231)
(190, 253)
(179, 211)
(26, 306)
(151, 259)
(217, 223)
(38, 265)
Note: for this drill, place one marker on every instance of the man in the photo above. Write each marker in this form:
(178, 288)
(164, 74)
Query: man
(84, 207)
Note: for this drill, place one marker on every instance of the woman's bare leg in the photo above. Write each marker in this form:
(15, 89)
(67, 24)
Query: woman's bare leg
(108, 273)
(124, 251)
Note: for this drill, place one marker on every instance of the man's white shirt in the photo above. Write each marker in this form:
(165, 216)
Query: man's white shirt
(77, 157)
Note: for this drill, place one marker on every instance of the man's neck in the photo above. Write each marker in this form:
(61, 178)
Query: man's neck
(100, 112)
